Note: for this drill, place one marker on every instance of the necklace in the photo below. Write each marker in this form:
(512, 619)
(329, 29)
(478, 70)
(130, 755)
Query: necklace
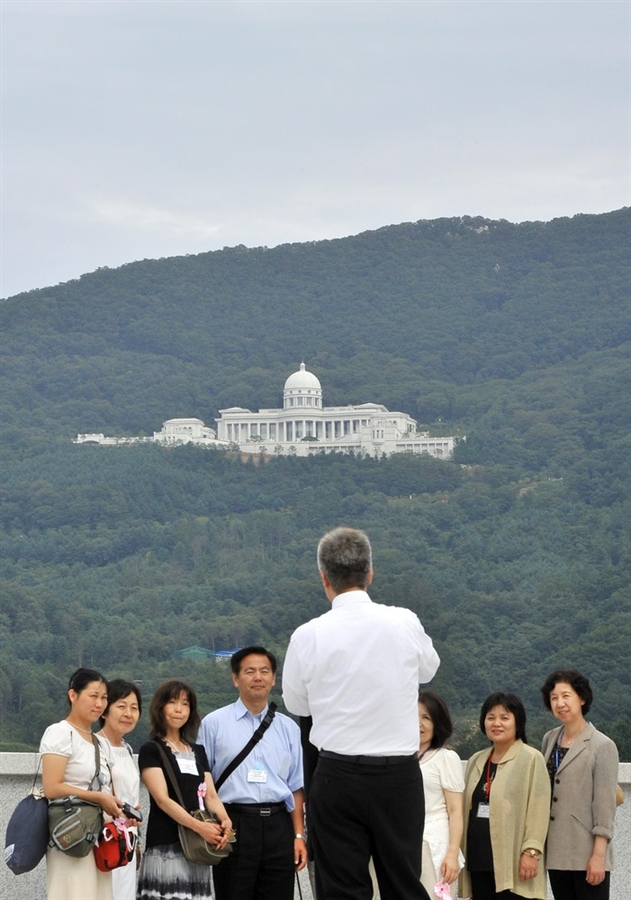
(564, 740)
(79, 728)
(491, 770)
(112, 741)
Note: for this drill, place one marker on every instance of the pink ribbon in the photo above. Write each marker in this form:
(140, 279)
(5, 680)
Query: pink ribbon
(201, 793)
(121, 824)
(443, 890)
(122, 828)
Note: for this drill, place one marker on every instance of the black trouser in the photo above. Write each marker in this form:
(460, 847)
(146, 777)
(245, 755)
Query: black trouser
(573, 886)
(359, 810)
(261, 865)
(483, 887)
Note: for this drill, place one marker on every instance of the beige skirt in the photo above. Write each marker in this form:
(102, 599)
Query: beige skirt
(68, 878)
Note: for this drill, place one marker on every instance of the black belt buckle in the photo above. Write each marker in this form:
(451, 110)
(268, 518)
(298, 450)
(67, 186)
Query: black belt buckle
(266, 811)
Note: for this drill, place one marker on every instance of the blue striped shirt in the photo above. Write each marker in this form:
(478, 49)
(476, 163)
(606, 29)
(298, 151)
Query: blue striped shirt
(278, 754)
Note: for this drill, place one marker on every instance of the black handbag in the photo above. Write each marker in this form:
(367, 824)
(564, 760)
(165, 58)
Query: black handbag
(195, 848)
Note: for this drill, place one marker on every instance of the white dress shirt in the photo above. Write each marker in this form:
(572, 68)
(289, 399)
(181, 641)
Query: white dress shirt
(356, 670)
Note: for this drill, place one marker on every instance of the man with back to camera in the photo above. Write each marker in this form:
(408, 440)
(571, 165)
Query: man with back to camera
(356, 670)
(264, 793)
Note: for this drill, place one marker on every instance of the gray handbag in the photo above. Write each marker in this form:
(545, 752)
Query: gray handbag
(74, 825)
(195, 848)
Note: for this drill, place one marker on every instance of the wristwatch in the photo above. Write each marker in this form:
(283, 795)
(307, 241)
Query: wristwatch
(535, 854)
(299, 837)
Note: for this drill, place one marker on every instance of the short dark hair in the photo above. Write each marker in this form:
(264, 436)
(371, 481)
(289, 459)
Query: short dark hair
(81, 678)
(513, 704)
(345, 557)
(171, 690)
(576, 680)
(117, 689)
(237, 658)
(439, 714)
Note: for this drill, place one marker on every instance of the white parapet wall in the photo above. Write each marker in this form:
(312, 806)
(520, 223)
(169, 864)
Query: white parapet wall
(16, 777)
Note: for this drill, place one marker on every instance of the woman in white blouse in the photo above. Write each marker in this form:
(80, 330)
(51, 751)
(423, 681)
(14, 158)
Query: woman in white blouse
(69, 768)
(443, 785)
(124, 706)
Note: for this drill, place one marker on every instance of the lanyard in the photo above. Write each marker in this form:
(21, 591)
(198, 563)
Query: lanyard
(489, 780)
(557, 747)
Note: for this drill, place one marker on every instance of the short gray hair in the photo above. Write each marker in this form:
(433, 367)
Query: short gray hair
(345, 557)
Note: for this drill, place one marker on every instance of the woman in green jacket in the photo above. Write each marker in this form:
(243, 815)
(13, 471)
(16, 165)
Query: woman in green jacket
(506, 807)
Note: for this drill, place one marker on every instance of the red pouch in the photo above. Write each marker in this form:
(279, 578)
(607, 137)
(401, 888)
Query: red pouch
(115, 847)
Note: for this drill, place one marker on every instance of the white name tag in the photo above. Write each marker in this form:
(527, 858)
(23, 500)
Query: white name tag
(259, 776)
(187, 766)
(483, 811)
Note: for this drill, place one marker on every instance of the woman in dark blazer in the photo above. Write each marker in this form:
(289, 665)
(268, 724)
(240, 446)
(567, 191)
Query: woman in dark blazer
(583, 767)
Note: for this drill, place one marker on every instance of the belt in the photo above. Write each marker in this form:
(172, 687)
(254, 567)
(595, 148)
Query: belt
(256, 809)
(368, 760)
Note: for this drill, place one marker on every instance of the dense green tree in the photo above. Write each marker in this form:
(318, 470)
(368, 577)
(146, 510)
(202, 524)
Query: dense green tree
(516, 555)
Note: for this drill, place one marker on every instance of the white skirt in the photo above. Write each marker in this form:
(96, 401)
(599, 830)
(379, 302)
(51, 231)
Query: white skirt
(436, 840)
(124, 882)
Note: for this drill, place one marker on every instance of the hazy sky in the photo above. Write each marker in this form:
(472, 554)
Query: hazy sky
(145, 129)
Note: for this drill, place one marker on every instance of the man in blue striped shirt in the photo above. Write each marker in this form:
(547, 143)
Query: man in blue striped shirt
(264, 794)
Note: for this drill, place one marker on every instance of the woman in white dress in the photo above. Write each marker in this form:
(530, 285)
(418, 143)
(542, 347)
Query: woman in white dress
(443, 786)
(124, 706)
(69, 769)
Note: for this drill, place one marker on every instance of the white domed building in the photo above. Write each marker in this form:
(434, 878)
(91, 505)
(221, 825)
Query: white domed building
(304, 426)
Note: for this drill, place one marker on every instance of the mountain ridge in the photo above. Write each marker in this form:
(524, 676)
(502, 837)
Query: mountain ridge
(516, 556)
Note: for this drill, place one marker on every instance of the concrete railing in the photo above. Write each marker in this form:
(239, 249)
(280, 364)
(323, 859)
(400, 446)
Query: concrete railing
(16, 777)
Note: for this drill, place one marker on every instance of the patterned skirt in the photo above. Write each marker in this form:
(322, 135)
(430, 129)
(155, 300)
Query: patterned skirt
(166, 874)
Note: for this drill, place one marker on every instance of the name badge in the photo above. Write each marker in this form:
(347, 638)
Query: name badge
(483, 811)
(187, 766)
(258, 776)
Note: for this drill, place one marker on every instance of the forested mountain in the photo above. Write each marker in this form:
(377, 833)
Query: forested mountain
(516, 556)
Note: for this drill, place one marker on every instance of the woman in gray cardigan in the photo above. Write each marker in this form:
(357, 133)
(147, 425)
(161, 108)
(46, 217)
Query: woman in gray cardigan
(583, 767)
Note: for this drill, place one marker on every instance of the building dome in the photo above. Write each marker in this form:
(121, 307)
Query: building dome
(302, 389)
(302, 381)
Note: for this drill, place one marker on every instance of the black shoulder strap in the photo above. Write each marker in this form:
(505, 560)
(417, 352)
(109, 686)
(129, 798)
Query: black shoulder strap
(39, 763)
(256, 737)
(170, 773)
(97, 756)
